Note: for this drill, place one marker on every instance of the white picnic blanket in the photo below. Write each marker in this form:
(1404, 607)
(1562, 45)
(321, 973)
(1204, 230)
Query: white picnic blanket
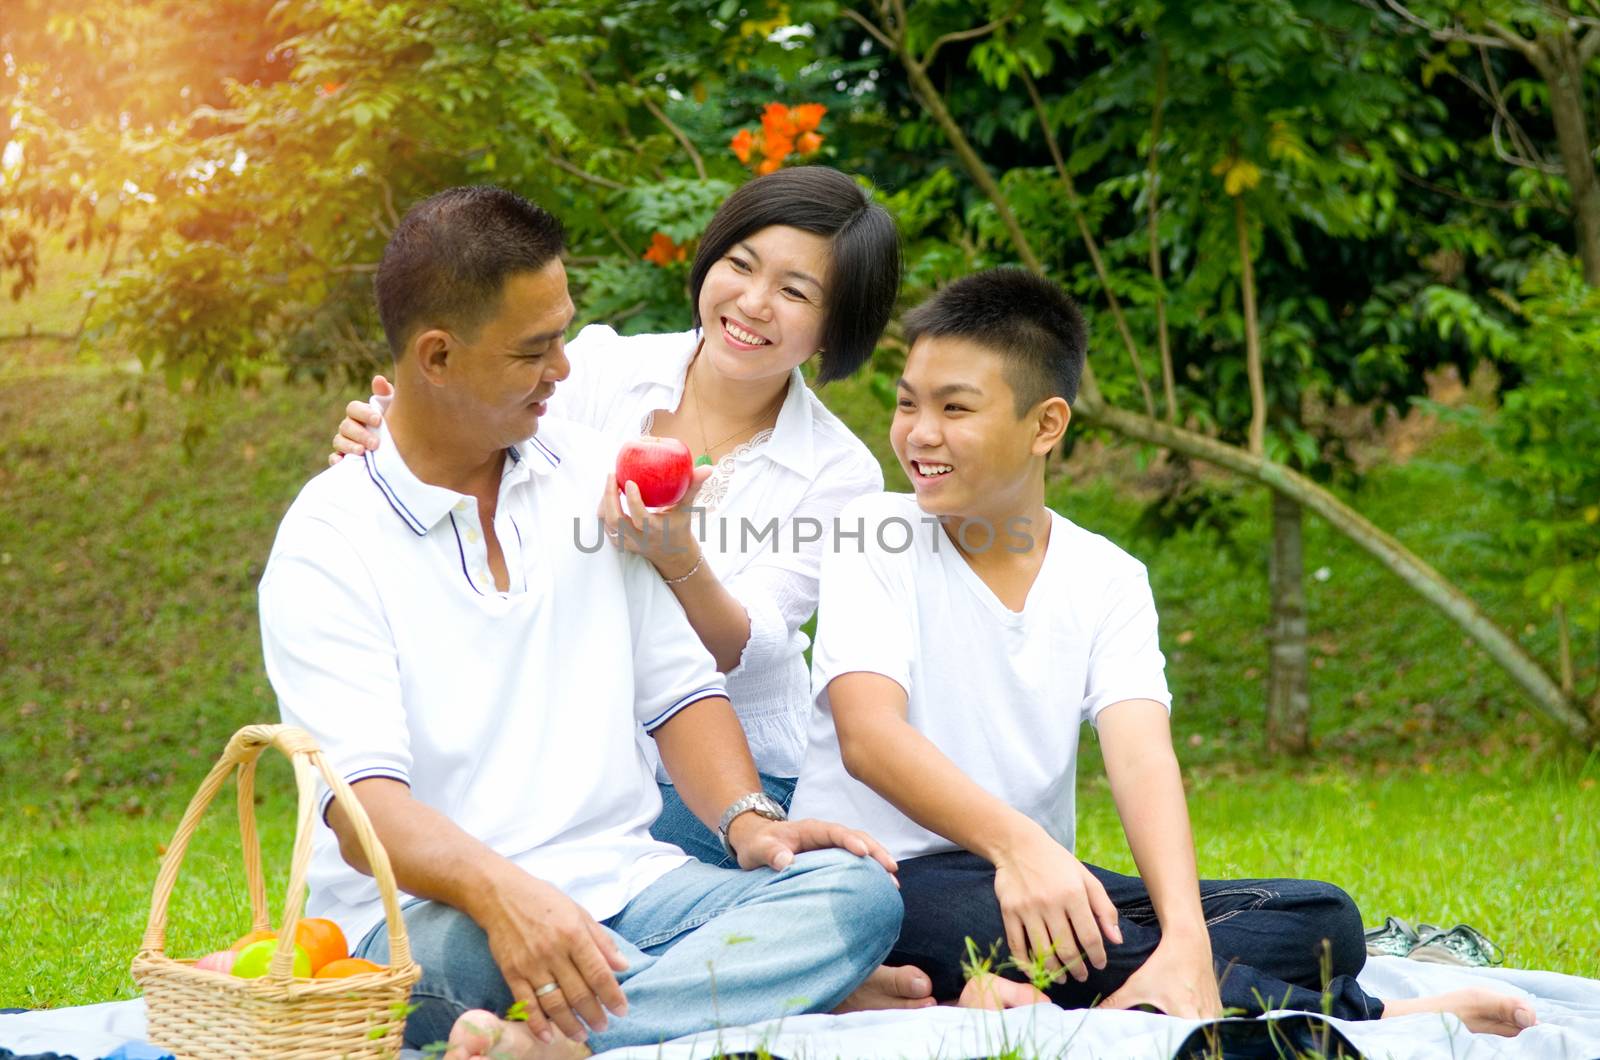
(1568, 1008)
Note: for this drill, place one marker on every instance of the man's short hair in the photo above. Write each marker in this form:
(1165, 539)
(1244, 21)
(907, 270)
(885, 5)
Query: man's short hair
(864, 277)
(449, 258)
(1029, 320)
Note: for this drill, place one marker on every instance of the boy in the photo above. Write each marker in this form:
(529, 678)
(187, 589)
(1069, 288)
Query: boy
(963, 637)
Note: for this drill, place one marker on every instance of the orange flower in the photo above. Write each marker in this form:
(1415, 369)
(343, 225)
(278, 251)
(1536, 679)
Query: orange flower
(775, 122)
(808, 142)
(807, 116)
(663, 251)
(329, 88)
(741, 144)
(777, 148)
(770, 165)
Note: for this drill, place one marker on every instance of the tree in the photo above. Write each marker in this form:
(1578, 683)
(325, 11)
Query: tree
(1560, 41)
(258, 206)
(914, 39)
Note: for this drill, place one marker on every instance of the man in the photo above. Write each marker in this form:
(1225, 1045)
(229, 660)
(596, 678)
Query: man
(959, 650)
(428, 616)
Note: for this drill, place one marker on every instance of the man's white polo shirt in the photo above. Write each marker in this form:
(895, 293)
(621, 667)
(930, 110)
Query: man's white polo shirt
(514, 714)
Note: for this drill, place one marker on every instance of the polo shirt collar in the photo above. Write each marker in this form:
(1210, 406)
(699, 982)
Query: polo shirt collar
(422, 505)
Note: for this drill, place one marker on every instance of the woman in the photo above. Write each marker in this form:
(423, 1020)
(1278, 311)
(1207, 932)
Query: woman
(794, 264)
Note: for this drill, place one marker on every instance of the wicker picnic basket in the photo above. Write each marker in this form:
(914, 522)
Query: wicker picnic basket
(205, 1015)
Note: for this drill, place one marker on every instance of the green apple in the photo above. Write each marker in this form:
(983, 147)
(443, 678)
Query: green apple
(253, 960)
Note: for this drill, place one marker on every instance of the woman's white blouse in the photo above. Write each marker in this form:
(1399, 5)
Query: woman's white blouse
(765, 500)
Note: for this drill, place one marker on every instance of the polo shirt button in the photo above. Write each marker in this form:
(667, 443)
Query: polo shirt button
(472, 535)
(462, 506)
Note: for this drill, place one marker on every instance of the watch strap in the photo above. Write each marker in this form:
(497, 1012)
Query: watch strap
(758, 802)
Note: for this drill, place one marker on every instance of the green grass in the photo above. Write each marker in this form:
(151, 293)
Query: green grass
(1510, 852)
(129, 652)
(78, 896)
(1508, 849)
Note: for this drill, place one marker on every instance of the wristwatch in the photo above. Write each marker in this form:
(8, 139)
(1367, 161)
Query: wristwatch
(755, 802)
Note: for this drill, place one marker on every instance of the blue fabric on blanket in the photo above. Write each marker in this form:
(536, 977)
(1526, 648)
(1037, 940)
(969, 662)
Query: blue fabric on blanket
(125, 1051)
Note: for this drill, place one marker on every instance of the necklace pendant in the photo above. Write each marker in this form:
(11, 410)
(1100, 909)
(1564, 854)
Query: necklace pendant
(702, 461)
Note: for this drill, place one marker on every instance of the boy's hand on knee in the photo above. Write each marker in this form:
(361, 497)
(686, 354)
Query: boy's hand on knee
(1054, 909)
(762, 843)
(1178, 979)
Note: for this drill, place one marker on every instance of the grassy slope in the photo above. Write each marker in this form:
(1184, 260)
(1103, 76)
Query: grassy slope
(129, 652)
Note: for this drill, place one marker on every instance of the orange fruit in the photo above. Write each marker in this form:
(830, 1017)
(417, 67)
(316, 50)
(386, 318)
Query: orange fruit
(322, 940)
(346, 967)
(255, 936)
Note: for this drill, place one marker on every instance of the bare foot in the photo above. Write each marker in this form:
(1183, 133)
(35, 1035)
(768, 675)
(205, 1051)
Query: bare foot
(989, 991)
(886, 987)
(481, 1035)
(1483, 1011)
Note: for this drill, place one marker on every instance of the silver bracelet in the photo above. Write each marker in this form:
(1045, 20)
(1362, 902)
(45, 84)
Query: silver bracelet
(701, 562)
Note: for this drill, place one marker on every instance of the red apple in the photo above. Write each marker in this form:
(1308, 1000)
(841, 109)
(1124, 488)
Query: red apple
(662, 468)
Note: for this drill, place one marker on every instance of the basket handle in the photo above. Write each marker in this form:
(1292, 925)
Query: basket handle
(307, 759)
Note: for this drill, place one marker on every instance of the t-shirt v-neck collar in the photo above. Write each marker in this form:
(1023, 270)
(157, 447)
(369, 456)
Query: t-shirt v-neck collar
(953, 557)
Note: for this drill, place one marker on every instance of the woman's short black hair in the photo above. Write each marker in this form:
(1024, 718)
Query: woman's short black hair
(450, 256)
(1032, 323)
(865, 275)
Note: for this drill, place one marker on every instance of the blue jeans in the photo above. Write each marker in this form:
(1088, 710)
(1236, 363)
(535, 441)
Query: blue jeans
(705, 947)
(1268, 937)
(679, 826)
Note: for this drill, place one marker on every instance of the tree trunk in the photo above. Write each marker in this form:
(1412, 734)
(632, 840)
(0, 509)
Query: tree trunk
(1563, 72)
(1564, 648)
(1288, 669)
(1252, 333)
(1169, 383)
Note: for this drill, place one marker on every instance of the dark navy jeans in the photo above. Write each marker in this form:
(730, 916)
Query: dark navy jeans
(1268, 937)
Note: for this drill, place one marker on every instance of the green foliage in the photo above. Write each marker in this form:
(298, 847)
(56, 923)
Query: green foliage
(1544, 443)
(254, 215)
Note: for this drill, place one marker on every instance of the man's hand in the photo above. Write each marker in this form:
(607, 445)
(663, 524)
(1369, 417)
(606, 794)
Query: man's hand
(1054, 909)
(1178, 979)
(761, 842)
(538, 936)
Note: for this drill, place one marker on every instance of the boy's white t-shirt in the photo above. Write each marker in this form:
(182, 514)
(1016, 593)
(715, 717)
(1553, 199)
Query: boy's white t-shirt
(1002, 693)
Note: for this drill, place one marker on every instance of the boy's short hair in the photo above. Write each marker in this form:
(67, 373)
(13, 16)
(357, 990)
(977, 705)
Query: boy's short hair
(1030, 321)
(450, 256)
